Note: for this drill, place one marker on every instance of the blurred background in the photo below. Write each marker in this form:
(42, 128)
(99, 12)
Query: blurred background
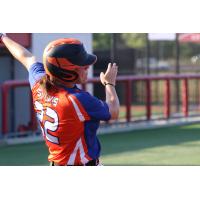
(158, 87)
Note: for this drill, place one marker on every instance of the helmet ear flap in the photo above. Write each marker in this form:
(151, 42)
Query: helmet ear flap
(61, 74)
(59, 68)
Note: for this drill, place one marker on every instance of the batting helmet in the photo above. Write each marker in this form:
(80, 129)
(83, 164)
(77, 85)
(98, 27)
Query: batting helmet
(61, 57)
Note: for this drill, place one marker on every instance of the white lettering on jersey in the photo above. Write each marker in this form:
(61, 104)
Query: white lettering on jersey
(39, 93)
(55, 101)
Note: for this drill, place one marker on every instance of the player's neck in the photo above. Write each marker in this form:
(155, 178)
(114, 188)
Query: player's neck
(68, 85)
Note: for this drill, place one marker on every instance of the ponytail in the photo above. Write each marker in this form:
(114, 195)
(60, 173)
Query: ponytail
(47, 84)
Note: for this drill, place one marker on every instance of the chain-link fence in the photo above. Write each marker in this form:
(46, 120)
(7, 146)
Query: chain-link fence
(136, 55)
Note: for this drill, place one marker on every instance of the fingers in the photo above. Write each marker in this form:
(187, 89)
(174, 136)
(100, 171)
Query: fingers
(111, 67)
(115, 67)
(102, 75)
(110, 74)
(102, 78)
(108, 68)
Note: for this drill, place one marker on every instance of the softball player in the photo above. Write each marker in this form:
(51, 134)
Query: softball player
(69, 117)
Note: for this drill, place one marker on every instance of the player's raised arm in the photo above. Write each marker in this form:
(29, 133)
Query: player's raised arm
(108, 80)
(19, 52)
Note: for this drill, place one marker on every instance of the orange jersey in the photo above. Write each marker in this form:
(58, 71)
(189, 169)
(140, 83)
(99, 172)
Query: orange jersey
(69, 119)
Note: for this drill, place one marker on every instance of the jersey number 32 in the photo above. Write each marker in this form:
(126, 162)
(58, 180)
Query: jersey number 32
(47, 125)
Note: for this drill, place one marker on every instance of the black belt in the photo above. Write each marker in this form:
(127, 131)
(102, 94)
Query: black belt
(90, 163)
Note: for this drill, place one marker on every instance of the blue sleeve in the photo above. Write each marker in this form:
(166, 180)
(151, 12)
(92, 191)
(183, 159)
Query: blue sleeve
(96, 109)
(36, 72)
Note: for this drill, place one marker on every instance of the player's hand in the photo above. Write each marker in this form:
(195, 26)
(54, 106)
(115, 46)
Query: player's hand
(110, 75)
(2, 35)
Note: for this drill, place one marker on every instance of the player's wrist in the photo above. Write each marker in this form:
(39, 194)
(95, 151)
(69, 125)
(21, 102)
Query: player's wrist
(109, 84)
(2, 35)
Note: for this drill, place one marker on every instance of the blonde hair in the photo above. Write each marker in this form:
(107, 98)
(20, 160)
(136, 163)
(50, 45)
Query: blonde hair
(48, 85)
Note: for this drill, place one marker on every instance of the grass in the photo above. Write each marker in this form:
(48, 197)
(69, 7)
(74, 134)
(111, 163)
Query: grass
(178, 145)
(164, 146)
(140, 110)
(24, 155)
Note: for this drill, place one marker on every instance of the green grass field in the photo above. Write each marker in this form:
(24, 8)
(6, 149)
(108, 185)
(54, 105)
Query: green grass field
(179, 145)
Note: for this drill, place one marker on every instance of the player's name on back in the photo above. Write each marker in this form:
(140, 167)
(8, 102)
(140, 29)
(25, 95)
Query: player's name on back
(50, 99)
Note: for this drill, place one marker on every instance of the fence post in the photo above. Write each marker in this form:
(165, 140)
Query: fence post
(148, 99)
(185, 97)
(128, 100)
(4, 109)
(167, 99)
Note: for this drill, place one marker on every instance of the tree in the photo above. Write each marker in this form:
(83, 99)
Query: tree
(134, 40)
(101, 41)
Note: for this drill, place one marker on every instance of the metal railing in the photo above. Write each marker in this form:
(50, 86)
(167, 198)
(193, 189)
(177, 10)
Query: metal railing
(127, 81)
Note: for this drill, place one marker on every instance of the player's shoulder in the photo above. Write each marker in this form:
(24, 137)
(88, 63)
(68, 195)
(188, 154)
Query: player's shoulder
(83, 95)
(86, 99)
(36, 72)
(36, 67)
